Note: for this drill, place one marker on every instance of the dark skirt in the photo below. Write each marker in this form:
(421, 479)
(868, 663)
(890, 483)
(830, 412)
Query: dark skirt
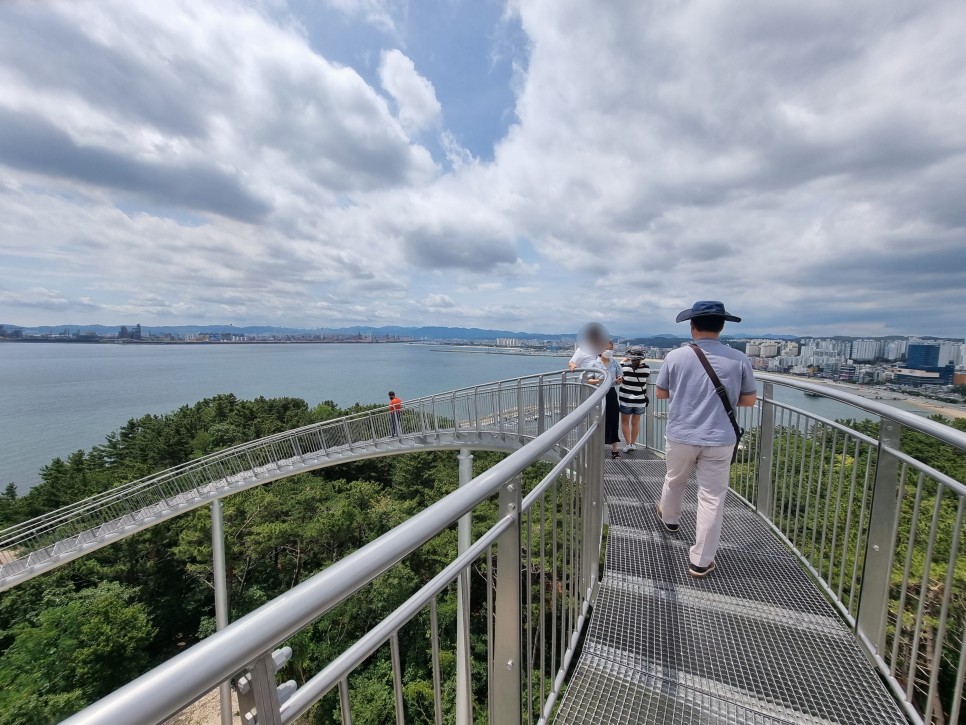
(612, 418)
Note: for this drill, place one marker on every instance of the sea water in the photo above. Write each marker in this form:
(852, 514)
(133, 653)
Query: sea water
(56, 398)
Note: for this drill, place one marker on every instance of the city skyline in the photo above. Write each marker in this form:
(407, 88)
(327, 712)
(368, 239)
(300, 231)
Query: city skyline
(458, 163)
(730, 332)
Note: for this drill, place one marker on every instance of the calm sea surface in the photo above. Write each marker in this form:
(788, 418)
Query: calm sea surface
(57, 398)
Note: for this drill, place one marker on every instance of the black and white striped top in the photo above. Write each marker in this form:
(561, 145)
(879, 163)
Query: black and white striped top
(633, 390)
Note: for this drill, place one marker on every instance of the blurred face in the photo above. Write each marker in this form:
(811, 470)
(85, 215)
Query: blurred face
(593, 337)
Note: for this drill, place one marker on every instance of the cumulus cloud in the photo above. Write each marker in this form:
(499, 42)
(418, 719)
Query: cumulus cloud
(418, 107)
(738, 152)
(803, 162)
(212, 99)
(438, 302)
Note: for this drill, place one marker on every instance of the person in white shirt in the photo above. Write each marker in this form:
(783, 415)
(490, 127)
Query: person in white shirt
(612, 436)
(591, 339)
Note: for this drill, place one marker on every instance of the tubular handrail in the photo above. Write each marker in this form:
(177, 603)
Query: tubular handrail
(840, 499)
(944, 433)
(317, 687)
(884, 561)
(878, 528)
(199, 463)
(181, 680)
(76, 529)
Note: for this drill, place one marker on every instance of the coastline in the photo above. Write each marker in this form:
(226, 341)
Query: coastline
(889, 397)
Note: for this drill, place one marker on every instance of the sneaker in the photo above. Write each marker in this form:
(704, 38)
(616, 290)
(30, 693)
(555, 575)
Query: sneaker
(629, 448)
(701, 571)
(671, 528)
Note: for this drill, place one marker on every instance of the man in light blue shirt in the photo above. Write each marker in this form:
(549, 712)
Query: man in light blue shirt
(700, 436)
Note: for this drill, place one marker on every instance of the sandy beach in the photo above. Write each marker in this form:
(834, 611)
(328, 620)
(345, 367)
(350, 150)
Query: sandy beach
(932, 406)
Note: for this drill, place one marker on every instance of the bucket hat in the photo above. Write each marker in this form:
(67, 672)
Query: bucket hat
(707, 308)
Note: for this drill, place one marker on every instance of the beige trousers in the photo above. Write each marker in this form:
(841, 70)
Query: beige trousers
(712, 465)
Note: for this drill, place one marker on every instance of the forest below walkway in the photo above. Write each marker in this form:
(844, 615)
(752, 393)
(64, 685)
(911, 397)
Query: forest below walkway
(77, 633)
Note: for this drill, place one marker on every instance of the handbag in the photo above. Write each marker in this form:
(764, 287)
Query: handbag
(723, 394)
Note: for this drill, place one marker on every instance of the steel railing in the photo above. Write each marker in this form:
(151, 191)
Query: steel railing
(508, 413)
(530, 574)
(879, 529)
(870, 515)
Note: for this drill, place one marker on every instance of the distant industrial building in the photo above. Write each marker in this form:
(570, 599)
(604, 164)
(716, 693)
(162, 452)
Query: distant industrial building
(922, 355)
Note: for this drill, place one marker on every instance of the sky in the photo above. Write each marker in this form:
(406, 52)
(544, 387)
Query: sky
(526, 165)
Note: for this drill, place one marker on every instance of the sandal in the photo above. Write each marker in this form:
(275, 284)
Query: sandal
(671, 528)
(615, 455)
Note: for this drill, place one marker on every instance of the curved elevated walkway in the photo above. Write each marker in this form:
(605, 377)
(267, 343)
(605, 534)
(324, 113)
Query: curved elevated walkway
(754, 642)
(500, 416)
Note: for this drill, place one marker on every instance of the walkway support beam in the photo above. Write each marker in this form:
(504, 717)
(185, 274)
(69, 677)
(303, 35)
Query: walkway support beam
(590, 472)
(464, 670)
(507, 663)
(220, 576)
(766, 450)
(880, 549)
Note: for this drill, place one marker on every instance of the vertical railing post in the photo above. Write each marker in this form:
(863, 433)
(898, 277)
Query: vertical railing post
(650, 422)
(541, 407)
(372, 427)
(220, 576)
(564, 402)
(879, 550)
(506, 682)
(521, 412)
(464, 671)
(766, 445)
(592, 473)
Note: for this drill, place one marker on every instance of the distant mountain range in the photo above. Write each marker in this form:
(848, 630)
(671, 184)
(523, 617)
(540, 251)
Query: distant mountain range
(419, 333)
(430, 333)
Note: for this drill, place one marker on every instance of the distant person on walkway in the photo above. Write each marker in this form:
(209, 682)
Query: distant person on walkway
(633, 395)
(591, 341)
(612, 436)
(701, 433)
(395, 410)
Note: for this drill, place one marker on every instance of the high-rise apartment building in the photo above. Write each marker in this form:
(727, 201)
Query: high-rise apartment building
(948, 351)
(895, 349)
(866, 350)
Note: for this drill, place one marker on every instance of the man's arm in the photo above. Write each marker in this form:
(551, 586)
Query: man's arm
(663, 394)
(747, 399)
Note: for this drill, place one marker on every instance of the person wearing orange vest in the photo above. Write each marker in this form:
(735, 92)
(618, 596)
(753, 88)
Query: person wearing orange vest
(395, 408)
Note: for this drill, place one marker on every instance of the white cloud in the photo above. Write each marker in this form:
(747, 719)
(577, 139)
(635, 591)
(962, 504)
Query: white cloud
(438, 302)
(414, 95)
(805, 163)
(386, 15)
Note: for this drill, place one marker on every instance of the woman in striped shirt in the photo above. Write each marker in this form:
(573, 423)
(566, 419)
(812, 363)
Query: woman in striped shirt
(633, 395)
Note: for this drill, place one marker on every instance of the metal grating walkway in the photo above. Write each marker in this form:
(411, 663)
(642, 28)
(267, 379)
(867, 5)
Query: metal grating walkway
(755, 642)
